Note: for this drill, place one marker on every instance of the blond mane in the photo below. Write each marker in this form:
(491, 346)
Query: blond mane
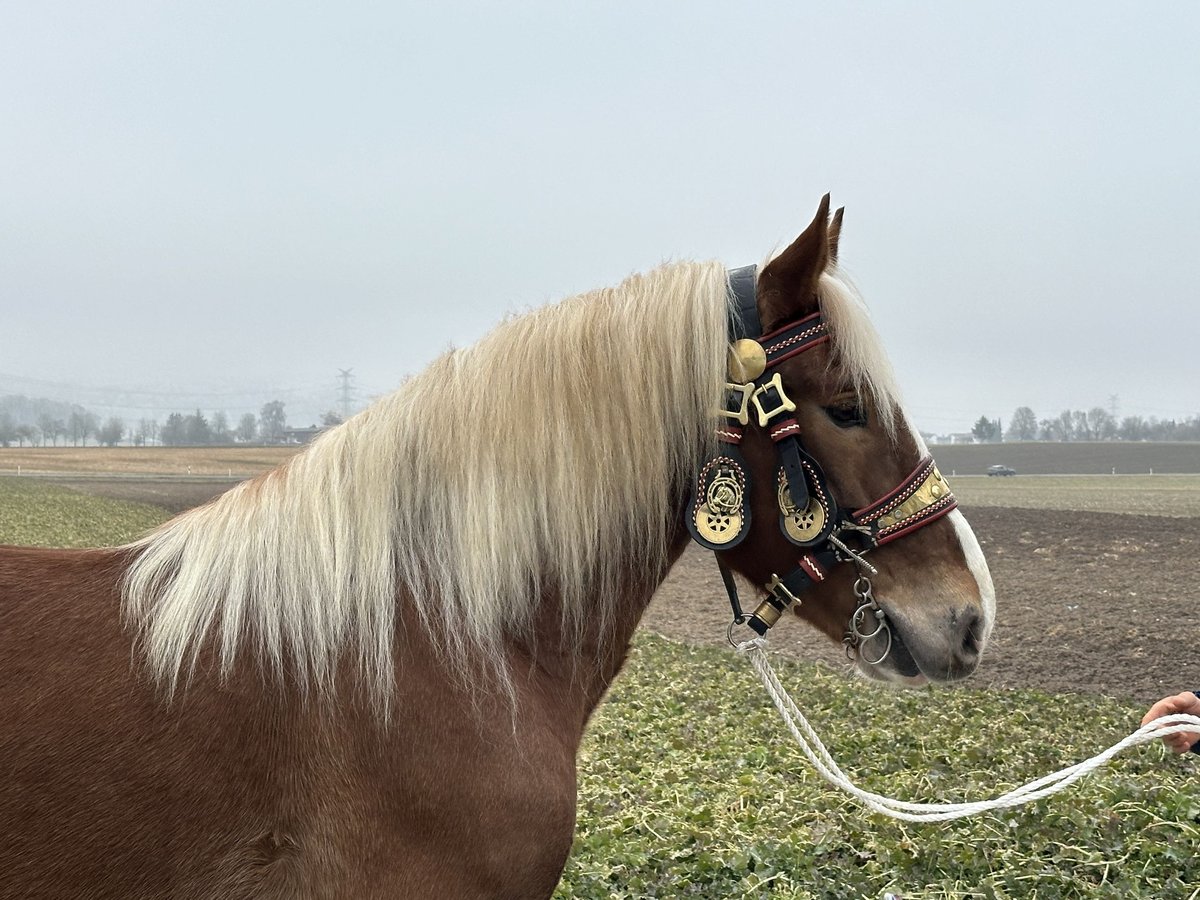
(547, 458)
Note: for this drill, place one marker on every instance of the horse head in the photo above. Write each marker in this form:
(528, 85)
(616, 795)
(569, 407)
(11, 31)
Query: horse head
(823, 492)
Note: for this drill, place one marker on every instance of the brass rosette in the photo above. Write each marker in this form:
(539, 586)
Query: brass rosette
(801, 525)
(719, 518)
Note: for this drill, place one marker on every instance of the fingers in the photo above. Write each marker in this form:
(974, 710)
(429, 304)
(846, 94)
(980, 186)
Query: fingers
(1180, 743)
(1187, 703)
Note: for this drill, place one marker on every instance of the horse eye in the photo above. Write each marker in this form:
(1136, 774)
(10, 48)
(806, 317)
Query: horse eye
(847, 415)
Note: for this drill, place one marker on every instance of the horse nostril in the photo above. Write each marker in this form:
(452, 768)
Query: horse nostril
(970, 635)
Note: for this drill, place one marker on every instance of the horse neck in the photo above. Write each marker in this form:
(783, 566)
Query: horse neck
(588, 667)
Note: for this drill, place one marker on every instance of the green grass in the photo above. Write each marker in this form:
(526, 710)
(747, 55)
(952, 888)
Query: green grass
(36, 513)
(1155, 495)
(690, 786)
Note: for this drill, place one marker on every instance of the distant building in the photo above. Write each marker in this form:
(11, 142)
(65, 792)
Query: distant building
(958, 437)
(301, 435)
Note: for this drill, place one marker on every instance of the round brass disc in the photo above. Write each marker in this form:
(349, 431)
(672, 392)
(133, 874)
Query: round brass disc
(718, 528)
(805, 524)
(747, 360)
(801, 524)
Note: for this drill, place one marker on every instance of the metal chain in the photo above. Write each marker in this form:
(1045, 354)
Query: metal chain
(868, 610)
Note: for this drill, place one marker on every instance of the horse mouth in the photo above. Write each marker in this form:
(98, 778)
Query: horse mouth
(901, 658)
(901, 666)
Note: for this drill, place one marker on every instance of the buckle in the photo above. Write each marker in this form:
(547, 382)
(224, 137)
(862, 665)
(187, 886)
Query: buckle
(739, 408)
(778, 599)
(779, 589)
(781, 400)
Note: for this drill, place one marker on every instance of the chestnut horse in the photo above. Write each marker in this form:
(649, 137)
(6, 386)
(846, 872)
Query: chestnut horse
(367, 673)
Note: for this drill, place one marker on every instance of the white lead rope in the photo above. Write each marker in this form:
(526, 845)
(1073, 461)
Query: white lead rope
(756, 650)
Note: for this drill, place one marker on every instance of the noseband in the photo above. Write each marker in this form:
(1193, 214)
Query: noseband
(718, 513)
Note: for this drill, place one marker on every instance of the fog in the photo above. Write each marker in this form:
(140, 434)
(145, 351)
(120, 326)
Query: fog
(221, 204)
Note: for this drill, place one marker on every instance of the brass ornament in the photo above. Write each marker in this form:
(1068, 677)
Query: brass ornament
(801, 525)
(933, 490)
(785, 402)
(747, 360)
(719, 517)
(743, 392)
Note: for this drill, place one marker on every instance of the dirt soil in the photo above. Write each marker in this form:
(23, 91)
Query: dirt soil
(1086, 602)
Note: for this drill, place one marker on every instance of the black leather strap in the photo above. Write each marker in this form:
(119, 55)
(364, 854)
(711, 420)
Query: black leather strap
(810, 572)
(743, 287)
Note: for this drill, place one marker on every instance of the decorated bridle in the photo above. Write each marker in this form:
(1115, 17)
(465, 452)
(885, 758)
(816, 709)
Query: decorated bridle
(718, 513)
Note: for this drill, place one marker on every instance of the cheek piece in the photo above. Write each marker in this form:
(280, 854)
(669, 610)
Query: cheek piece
(718, 511)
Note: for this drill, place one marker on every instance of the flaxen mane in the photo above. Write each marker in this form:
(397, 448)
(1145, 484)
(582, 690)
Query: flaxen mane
(547, 457)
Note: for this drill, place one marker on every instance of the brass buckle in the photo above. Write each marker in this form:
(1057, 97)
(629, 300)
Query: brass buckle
(785, 404)
(779, 589)
(742, 416)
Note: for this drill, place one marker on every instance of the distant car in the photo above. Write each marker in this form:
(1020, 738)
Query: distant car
(1001, 470)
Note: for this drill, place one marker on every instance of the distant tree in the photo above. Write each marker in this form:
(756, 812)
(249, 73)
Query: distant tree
(1066, 424)
(1101, 423)
(1133, 428)
(1023, 426)
(26, 433)
(1083, 429)
(196, 429)
(272, 422)
(247, 429)
(220, 429)
(147, 431)
(8, 429)
(110, 433)
(330, 419)
(80, 425)
(173, 432)
(985, 430)
(50, 428)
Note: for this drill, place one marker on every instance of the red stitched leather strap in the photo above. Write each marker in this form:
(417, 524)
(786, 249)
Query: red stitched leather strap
(921, 498)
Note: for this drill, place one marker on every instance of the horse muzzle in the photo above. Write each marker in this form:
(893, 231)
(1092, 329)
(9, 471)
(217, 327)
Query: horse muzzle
(945, 646)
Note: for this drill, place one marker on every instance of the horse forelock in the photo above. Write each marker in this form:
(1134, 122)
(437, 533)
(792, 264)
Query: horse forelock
(547, 458)
(858, 349)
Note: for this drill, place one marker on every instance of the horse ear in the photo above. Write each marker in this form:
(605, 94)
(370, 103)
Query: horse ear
(787, 285)
(835, 234)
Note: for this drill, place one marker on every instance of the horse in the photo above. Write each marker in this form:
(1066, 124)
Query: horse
(367, 672)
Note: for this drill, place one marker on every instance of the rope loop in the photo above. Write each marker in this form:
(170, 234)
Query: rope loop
(818, 756)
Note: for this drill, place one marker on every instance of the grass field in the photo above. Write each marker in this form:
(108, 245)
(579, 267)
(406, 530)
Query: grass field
(144, 460)
(1156, 495)
(690, 787)
(35, 513)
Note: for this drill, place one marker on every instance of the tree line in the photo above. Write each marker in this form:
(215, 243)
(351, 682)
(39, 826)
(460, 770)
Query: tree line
(179, 429)
(1095, 424)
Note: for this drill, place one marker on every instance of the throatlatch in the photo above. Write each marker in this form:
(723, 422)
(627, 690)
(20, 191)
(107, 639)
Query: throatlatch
(718, 513)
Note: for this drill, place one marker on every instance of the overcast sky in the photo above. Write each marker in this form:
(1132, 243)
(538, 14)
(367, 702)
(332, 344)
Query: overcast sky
(216, 204)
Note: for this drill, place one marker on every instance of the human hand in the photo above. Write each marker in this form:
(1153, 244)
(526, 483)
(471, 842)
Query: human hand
(1187, 703)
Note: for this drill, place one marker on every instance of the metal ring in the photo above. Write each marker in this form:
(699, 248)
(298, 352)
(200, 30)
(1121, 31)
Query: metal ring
(862, 589)
(886, 650)
(859, 617)
(732, 625)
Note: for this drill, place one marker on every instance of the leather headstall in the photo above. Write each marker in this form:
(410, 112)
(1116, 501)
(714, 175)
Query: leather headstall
(718, 512)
